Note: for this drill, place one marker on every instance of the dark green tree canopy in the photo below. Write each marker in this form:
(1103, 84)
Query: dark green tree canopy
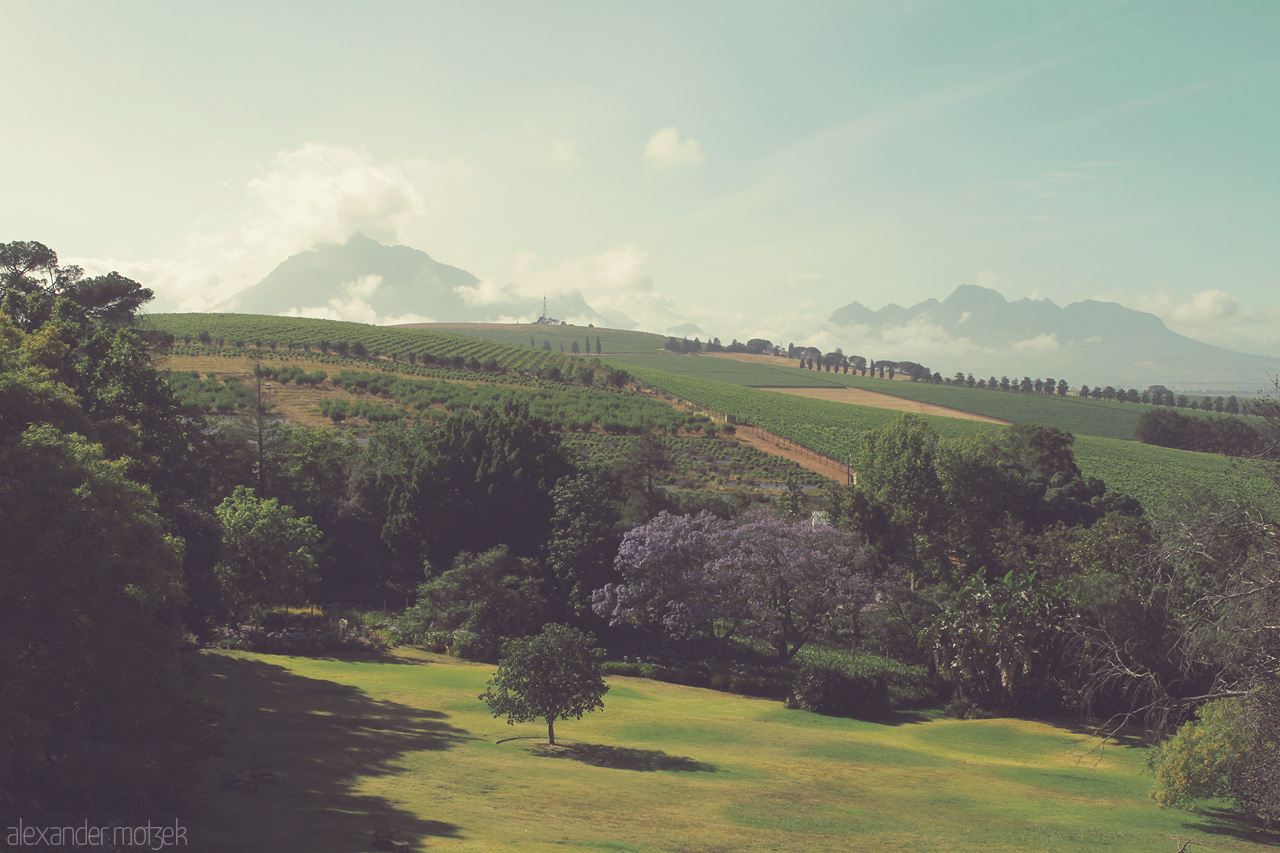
(31, 280)
(476, 480)
(486, 596)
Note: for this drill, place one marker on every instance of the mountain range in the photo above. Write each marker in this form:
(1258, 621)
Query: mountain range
(1090, 342)
(974, 330)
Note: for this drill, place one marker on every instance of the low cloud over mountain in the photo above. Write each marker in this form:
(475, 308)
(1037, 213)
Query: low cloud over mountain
(365, 281)
(975, 330)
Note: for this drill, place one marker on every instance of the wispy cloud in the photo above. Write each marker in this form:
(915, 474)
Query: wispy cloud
(863, 128)
(563, 152)
(1213, 316)
(1171, 94)
(354, 305)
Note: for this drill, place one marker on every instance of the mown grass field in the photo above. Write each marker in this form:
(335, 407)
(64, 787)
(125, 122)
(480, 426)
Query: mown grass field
(662, 768)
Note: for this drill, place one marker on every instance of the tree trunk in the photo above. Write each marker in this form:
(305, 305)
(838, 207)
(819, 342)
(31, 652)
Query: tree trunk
(551, 730)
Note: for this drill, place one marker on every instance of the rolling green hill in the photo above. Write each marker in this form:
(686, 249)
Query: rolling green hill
(1102, 418)
(613, 342)
(304, 333)
(1152, 475)
(638, 350)
(661, 768)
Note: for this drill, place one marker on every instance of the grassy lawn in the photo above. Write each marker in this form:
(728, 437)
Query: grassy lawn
(662, 768)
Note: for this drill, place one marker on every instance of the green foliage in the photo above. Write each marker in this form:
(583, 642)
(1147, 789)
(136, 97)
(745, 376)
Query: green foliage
(301, 334)
(1204, 758)
(488, 597)
(694, 462)
(583, 540)
(469, 483)
(210, 395)
(964, 708)
(824, 686)
(94, 717)
(569, 408)
(267, 550)
(999, 643)
(1159, 476)
(1154, 476)
(896, 469)
(554, 675)
(313, 474)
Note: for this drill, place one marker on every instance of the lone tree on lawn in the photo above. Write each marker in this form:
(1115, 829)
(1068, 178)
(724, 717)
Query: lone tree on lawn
(553, 676)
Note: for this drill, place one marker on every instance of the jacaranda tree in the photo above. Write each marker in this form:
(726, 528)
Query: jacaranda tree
(666, 582)
(784, 581)
(762, 578)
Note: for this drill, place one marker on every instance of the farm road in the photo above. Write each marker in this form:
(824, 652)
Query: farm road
(775, 445)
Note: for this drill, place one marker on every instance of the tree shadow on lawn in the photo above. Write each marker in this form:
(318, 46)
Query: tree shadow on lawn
(372, 657)
(1226, 822)
(1087, 741)
(327, 738)
(900, 718)
(623, 758)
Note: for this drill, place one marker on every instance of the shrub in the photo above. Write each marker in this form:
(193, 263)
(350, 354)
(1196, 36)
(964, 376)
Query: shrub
(1229, 750)
(962, 708)
(689, 676)
(824, 686)
(281, 618)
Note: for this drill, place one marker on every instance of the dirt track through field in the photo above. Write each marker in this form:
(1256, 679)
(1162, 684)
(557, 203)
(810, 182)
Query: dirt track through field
(774, 445)
(876, 400)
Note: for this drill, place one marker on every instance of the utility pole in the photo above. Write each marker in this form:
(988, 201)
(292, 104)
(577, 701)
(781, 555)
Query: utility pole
(260, 424)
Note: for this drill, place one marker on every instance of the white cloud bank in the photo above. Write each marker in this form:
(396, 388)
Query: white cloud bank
(1213, 316)
(354, 305)
(666, 150)
(313, 194)
(614, 282)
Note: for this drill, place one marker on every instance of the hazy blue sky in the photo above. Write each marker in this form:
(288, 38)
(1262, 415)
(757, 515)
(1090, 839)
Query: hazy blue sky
(751, 165)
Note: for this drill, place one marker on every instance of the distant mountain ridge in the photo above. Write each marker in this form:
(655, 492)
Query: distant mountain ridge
(395, 282)
(1088, 342)
(974, 330)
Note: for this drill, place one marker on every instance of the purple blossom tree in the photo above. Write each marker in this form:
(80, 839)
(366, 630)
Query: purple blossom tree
(774, 581)
(663, 564)
(790, 579)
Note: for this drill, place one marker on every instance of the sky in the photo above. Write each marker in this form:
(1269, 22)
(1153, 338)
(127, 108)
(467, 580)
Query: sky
(748, 166)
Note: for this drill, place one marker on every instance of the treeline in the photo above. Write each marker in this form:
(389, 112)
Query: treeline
(105, 518)
(1228, 436)
(836, 361)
